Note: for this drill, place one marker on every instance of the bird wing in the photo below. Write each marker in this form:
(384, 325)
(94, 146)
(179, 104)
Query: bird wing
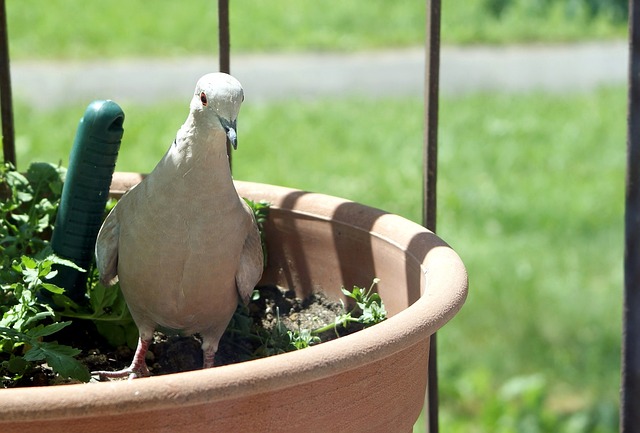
(107, 249)
(251, 261)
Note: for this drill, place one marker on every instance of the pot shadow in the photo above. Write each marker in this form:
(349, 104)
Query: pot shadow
(300, 253)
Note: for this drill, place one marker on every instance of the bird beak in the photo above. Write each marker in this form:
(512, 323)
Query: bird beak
(230, 129)
(232, 135)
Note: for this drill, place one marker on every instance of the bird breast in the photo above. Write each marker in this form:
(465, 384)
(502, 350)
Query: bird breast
(179, 251)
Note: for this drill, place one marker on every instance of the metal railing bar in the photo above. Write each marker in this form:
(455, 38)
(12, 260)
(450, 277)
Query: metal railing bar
(6, 105)
(630, 393)
(430, 174)
(224, 46)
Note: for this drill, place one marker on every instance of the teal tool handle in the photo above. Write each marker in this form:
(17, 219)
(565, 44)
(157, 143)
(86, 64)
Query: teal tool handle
(85, 192)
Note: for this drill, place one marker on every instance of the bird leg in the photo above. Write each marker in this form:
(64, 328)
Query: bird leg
(138, 367)
(209, 355)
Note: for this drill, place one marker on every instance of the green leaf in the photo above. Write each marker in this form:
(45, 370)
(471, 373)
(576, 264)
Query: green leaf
(369, 303)
(261, 213)
(21, 218)
(97, 296)
(43, 331)
(346, 292)
(17, 364)
(60, 358)
(65, 303)
(15, 179)
(43, 174)
(303, 338)
(255, 295)
(16, 266)
(37, 317)
(30, 276)
(12, 333)
(28, 262)
(54, 259)
(56, 188)
(44, 269)
(118, 333)
(42, 223)
(52, 288)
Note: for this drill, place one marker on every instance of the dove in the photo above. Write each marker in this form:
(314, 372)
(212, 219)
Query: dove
(182, 243)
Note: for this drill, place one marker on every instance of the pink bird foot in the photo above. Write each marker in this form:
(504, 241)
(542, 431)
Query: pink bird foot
(137, 369)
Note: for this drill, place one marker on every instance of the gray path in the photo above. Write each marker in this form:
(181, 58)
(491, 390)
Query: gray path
(557, 68)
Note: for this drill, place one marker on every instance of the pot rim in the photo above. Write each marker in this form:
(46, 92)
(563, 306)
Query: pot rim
(445, 282)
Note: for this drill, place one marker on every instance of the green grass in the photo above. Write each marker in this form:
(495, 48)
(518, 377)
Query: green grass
(131, 28)
(526, 21)
(530, 194)
(535, 210)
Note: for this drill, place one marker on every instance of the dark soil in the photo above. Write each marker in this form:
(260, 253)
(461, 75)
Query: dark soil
(256, 330)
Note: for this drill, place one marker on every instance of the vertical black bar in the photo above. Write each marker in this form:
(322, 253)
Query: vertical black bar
(6, 108)
(430, 174)
(224, 44)
(432, 70)
(224, 40)
(630, 396)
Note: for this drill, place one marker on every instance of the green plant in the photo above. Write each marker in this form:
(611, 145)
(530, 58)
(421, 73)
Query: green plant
(24, 302)
(302, 338)
(26, 266)
(27, 210)
(276, 340)
(58, 356)
(279, 338)
(31, 306)
(23, 321)
(261, 213)
(251, 340)
(106, 308)
(368, 310)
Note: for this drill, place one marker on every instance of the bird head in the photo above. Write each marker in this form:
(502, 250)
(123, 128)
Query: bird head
(217, 101)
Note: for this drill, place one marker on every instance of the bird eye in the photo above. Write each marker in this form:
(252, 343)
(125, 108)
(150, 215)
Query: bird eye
(203, 99)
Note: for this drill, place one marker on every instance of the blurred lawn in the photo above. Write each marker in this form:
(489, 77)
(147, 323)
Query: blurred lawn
(530, 195)
(121, 28)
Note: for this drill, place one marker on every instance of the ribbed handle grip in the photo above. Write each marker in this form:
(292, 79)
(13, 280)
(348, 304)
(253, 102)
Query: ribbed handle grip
(86, 190)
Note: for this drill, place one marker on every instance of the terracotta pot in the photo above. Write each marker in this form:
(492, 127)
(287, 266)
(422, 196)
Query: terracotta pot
(371, 381)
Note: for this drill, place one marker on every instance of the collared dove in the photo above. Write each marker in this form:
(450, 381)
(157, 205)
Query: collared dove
(182, 243)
